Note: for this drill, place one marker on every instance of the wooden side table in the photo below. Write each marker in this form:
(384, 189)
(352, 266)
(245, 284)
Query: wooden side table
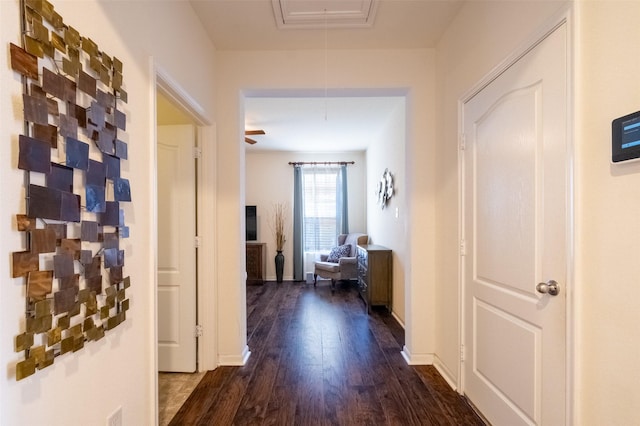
(375, 275)
(256, 263)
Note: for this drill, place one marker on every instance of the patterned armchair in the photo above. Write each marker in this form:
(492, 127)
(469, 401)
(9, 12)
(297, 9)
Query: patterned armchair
(341, 263)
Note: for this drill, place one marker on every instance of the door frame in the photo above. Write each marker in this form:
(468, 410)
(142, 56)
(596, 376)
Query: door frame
(206, 292)
(565, 17)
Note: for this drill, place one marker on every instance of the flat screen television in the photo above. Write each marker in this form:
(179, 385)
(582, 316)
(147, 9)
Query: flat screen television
(251, 220)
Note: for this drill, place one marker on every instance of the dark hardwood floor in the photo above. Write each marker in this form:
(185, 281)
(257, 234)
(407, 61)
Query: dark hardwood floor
(317, 358)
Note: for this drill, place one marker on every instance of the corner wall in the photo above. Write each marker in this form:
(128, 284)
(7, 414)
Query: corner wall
(608, 211)
(388, 225)
(607, 197)
(119, 370)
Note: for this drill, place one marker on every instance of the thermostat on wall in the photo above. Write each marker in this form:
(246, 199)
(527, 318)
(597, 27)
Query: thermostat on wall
(625, 138)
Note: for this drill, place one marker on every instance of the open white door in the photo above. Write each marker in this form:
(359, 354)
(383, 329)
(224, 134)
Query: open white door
(176, 249)
(515, 230)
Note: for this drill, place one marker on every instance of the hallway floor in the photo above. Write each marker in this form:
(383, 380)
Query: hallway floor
(318, 358)
(173, 391)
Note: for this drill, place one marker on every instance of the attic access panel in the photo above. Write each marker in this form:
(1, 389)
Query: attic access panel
(318, 13)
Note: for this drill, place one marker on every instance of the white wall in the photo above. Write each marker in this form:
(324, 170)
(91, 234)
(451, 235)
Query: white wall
(481, 36)
(83, 388)
(388, 225)
(409, 72)
(269, 180)
(608, 212)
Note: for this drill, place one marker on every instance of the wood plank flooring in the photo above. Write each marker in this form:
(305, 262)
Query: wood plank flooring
(317, 358)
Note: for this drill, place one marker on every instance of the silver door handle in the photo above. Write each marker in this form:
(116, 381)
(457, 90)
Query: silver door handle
(551, 287)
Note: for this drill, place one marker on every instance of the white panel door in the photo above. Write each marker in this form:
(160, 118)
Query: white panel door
(176, 249)
(515, 229)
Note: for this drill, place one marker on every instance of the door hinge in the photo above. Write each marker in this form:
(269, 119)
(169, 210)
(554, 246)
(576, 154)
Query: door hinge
(197, 152)
(463, 248)
(197, 241)
(463, 141)
(198, 330)
(461, 353)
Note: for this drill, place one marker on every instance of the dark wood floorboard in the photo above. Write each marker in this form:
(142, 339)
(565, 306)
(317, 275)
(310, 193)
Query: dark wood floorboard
(317, 358)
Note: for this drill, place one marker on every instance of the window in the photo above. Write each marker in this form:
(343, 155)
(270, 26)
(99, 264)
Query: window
(320, 213)
(320, 192)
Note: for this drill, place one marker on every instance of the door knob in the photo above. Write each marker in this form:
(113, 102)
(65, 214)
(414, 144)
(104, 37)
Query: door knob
(550, 287)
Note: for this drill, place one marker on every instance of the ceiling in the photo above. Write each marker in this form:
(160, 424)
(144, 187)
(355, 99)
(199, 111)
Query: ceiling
(252, 24)
(318, 124)
(322, 124)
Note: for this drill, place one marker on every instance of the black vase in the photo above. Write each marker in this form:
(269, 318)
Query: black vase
(279, 266)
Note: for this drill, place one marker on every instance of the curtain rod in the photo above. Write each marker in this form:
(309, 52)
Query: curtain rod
(323, 163)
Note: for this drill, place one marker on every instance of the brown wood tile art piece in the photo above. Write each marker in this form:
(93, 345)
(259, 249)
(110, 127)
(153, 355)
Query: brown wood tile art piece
(64, 300)
(54, 336)
(63, 265)
(33, 46)
(73, 102)
(53, 83)
(46, 132)
(23, 341)
(86, 257)
(42, 324)
(24, 262)
(39, 284)
(58, 42)
(93, 269)
(23, 62)
(35, 109)
(63, 322)
(115, 275)
(68, 126)
(52, 107)
(25, 223)
(72, 247)
(43, 240)
(59, 228)
(69, 282)
(25, 368)
(87, 84)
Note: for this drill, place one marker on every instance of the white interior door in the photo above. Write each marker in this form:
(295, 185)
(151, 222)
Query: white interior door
(515, 229)
(176, 249)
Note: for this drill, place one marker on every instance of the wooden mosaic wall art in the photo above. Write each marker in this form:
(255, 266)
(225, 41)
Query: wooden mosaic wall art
(71, 149)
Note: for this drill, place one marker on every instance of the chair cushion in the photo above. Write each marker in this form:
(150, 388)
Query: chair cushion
(338, 252)
(327, 266)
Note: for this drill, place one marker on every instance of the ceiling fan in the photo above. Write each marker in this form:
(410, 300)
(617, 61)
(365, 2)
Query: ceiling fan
(251, 133)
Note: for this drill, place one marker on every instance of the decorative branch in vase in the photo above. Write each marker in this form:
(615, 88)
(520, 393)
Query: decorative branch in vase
(279, 220)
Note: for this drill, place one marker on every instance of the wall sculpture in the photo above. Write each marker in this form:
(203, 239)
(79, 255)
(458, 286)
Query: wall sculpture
(73, 143)
(384, 189)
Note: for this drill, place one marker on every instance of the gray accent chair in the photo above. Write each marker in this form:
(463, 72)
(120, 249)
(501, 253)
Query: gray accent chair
(347, 267)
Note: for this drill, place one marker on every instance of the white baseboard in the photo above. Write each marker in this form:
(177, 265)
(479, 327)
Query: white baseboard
(393, 314)
(445, 373)
(235, 360)
(416, 359)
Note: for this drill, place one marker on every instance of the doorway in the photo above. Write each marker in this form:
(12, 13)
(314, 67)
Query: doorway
(175, 107)
(516, 225)
(177, 248)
